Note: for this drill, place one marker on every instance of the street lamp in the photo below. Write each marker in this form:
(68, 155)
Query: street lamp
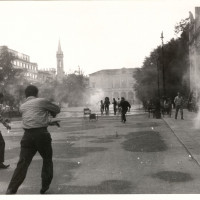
(163, 68)
(158, 76)
(157, 99)
(158, 79)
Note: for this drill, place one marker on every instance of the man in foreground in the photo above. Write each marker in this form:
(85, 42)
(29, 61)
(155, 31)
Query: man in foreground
(35, 116)
(2, 142)
(125, 106)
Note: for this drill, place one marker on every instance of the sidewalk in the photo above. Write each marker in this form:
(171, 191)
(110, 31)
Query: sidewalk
(187, 131)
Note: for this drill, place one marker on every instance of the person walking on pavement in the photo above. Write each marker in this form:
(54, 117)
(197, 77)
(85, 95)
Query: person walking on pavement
(178, 101)
(101, 107)
(2, 142)
(106, 104)
(125, 106)
(35, 116)
(114, 106)
(118, 102)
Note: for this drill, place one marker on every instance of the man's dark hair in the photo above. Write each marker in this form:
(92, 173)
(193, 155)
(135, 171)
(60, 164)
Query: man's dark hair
(31, 90)
(1, 95)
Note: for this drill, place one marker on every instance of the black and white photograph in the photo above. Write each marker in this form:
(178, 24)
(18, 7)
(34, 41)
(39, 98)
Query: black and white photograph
(100, 99)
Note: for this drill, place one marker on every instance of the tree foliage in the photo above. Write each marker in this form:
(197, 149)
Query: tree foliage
(71, 90)
(175, 59)
(11, 78)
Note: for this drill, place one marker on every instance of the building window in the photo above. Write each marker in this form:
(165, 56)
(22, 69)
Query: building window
(123, 83)
(117, 83)
(130, 83)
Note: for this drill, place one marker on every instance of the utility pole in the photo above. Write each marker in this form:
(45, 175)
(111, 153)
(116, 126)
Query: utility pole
(163, 67)
(158, 81)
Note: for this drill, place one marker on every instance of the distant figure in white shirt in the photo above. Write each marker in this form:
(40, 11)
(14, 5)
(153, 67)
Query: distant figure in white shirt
(178, 105)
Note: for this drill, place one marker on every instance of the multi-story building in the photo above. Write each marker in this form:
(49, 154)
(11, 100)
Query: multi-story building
(113, 83)
(22, 61)
(194, 52)
(46, 75)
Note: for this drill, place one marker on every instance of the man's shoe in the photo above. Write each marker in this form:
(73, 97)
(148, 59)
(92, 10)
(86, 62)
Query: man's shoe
(43, 190)
(10, 191)
(2, 166)
(182, 118)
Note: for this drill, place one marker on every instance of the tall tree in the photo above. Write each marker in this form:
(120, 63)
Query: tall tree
(10, 77)
(72, 90)
(176, 65)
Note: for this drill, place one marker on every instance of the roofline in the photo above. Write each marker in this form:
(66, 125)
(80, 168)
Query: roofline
(104, 70)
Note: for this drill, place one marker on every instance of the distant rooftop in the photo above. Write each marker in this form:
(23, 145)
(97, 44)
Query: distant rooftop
(115, 71)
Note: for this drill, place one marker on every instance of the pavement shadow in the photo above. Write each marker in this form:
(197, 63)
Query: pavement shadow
(107, 139)
(6, 175)
(13, 138)
(62, 174)
(173, 176)
(12, 153)
(73, 152)
(73, 139)
(78, 132)
(101, 140)
(144, 141)
(106, 187)
(139, 125)
(78, 128)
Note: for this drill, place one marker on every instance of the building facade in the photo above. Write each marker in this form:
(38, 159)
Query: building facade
(22, 61)
(46, 75)
(194, 52)
(113, 83)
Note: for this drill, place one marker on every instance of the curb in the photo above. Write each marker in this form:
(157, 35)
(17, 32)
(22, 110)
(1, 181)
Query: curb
(182, 143)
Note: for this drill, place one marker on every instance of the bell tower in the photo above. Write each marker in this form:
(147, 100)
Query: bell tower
(60, 64)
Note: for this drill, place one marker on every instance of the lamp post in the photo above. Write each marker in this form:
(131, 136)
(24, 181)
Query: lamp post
(163, 67)
(158, 78)
(157, 99)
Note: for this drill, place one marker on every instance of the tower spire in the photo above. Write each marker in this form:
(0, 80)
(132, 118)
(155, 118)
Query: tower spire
(60, 63)
(59, 48)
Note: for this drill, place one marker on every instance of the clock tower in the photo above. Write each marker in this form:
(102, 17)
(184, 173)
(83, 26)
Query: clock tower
(60, 64)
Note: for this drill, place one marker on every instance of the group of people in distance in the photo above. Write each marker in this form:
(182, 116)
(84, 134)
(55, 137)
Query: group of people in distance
(120, 106)
(165, 105)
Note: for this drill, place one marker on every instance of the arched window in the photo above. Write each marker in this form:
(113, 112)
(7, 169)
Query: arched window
(123, 94)
(115, 95)
(131, 97)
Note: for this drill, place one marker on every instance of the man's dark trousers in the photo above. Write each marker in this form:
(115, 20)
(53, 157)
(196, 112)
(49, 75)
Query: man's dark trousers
(123, 115)
(37, 139)
(181, 111)
(2, 148)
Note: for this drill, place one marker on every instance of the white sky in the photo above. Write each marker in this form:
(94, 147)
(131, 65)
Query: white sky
(94, 35)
